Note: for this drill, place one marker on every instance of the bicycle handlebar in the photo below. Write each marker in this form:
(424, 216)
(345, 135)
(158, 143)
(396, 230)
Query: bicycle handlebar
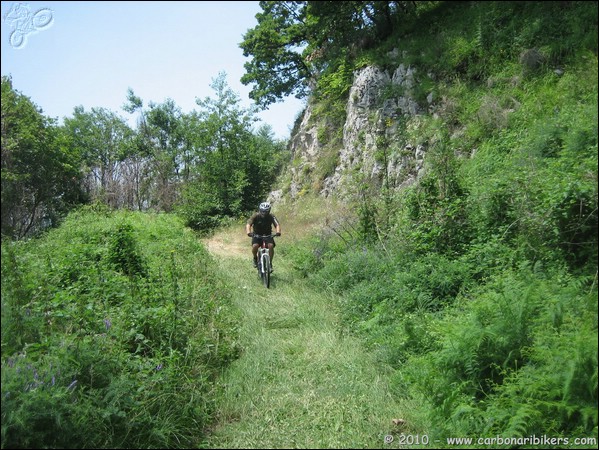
(262, 236)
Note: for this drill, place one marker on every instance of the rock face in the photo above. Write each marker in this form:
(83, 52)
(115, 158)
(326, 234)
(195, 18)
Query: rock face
(306, 149)
(380, 107)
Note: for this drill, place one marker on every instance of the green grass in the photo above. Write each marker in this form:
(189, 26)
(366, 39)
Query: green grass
(300, 381)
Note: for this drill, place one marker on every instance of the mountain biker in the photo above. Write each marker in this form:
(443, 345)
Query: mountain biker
(262, 223)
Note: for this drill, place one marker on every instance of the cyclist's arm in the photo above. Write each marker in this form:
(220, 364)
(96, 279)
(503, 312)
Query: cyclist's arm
(277, 225)
(249, 224)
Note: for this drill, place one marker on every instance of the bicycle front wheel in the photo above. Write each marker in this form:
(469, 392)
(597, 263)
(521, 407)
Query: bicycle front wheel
(266, 271)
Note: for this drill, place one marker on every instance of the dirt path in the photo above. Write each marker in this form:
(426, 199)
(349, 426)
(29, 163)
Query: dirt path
(227, 242)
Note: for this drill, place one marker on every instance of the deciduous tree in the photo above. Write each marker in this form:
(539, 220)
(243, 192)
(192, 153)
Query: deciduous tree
(40, 173)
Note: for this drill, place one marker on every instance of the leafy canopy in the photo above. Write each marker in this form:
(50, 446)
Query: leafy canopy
(296, 42)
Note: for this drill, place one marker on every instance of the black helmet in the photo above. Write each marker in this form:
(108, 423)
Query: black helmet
(265, 207)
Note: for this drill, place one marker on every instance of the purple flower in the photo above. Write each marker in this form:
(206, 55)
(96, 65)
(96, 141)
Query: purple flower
(107, 324)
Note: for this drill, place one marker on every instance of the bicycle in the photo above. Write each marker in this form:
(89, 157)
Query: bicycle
(264, 267)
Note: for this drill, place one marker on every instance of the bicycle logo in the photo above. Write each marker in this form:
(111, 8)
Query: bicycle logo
(25, 23)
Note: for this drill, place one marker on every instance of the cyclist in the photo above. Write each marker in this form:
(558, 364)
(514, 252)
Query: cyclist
(262, 223)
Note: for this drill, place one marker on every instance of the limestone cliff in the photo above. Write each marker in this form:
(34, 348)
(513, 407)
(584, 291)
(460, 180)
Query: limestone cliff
(374, 148)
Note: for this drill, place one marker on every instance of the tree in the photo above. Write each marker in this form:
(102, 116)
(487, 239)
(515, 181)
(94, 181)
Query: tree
(165, 134)
(40, 173)
(139, 161)
(101, 137)
(232, 167)
(278, 67)
(267, 159)
(227, 129)
(295, 42)
(162, 147)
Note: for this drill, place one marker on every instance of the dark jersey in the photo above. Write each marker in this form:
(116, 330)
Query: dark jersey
(263, 224)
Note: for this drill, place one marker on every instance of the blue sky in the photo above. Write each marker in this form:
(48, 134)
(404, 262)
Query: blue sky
(66, 54)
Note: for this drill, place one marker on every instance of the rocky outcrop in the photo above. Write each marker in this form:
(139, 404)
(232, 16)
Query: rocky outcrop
(380, 104)
(371, 127)
(305, 150)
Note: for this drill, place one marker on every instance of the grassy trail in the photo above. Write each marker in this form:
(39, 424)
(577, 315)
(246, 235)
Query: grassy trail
(300, 383)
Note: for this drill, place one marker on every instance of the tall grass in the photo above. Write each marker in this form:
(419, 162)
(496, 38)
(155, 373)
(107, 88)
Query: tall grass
(114, 327)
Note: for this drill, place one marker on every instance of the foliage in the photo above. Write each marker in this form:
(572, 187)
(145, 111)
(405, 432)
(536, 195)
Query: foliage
(102, 138)
(160, 165)
(123, 252)
(117, 323)
(298, 44)
(277, 69)
(481, 289)
(40, 174)
(235, 168)
(541, 187)
(502, 369)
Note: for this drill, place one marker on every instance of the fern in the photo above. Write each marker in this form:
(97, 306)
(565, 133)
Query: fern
(519, 423)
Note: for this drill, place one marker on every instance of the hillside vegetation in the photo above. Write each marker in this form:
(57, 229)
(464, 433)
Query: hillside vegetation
(478, 284)
(114, 329)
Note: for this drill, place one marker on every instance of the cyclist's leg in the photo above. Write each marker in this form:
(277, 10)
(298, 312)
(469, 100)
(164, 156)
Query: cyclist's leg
(255, 246)
(271, 253)
(271, 250)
